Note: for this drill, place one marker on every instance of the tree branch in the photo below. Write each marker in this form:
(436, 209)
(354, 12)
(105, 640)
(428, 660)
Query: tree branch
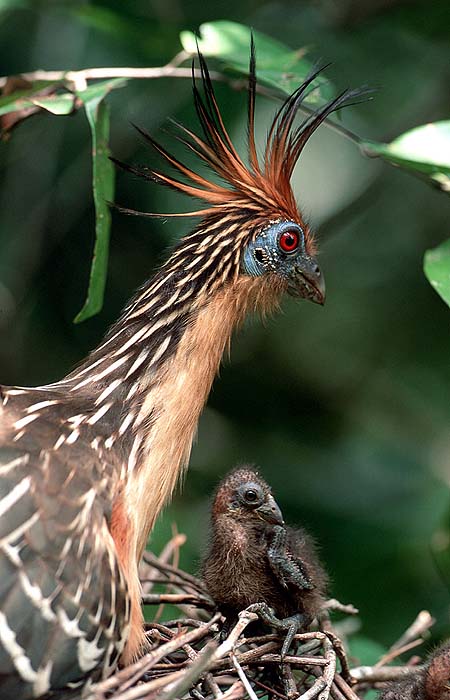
(78, 80)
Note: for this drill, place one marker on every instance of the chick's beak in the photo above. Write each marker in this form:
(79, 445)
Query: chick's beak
(270, 512)
(306, 280)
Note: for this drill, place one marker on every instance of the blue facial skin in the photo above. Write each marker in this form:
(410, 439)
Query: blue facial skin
(264, 255)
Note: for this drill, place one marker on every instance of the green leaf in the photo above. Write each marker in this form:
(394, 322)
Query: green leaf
(278, 66)
(59, 103)
(103, 188)
(21, 99)
(437, 269)
(56, 104)
(99, 90)
(425, 150)
(15, 105)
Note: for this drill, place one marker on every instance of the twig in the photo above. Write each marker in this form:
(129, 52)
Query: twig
(209, 679)
(78, 81)
(292, 660)
(173, 545)
(330, 670)
(243, 678)
(228, 645)
(334, 604)
(176, 543)
(153, 657)
(144, 689)
(182, 622)
(374, 674)
(317, 687)
(79, 78)
(168, 569)
(344, 688)
(234, 692)
(146, 570)
(395, 653)
(335, 693)
(177, 599)
(190, 675)
(272, 691)
(176, 550)
(421, 624)
(252, 655)
(340, 651)
(136, 677)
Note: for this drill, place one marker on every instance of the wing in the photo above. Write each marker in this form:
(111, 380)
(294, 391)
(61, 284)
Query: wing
(63, 598)
(286, 561)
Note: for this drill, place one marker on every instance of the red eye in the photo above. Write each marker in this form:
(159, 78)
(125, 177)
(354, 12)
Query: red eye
(289, 241)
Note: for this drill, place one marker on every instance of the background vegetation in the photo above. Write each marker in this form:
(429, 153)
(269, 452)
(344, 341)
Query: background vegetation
(345, 409)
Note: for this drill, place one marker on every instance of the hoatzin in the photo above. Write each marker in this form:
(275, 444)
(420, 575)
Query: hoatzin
(88, 462)
(256, 562)
(432, 682)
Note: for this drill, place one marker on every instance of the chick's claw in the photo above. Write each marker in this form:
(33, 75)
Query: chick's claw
(291, 625)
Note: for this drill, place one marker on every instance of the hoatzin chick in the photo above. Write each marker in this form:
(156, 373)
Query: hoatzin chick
(431, 683)
(256, 562)
(87, 463)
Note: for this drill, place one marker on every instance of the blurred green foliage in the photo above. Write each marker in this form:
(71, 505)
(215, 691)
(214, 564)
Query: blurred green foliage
(278, 66)
(97, 112)
(345, 409)
(423, 151)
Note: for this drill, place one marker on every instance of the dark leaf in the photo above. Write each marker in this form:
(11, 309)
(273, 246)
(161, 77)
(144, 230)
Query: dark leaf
(278, 66)
(424, 150)
(103, 189)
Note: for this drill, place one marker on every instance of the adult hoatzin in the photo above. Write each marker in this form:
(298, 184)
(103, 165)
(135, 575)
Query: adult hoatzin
(88, 462)
(255, 561)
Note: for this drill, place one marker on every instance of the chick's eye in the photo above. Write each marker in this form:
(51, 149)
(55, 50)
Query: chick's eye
(289, 241)
(251, 496)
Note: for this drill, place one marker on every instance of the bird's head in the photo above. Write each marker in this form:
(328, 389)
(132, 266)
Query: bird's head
(252, 227)
(244, 495)
(281, 250)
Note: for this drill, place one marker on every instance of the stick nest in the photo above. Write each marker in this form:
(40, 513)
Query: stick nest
(188, 659)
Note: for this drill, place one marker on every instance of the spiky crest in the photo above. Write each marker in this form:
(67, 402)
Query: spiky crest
(262, 190)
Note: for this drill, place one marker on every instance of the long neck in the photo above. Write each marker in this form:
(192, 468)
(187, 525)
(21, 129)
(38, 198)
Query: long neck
(175, 398)
(143, 390)
(151, 377)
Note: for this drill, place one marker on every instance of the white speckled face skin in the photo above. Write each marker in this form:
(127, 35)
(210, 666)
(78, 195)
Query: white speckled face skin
(280, 250)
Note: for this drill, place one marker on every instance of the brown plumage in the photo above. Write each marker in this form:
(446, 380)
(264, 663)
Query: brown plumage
(254, 558)
(87, 463)
(430, 683)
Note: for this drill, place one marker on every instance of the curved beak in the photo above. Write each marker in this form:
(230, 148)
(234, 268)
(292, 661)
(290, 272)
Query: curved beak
(270, 512)
(306, 280)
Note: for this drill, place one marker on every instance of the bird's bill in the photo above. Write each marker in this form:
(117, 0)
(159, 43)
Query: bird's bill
(306, 280)
(270, 512)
